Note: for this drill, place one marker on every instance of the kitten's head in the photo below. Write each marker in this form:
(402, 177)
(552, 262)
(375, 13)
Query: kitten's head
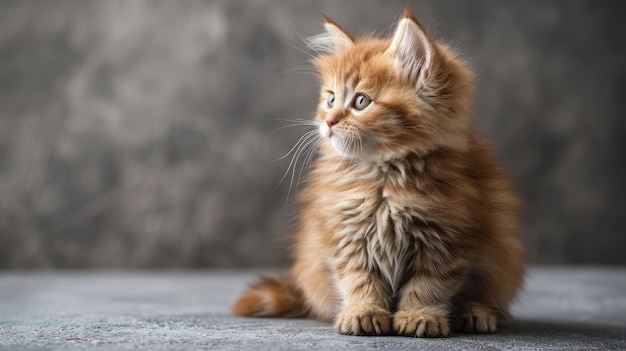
(382, 99)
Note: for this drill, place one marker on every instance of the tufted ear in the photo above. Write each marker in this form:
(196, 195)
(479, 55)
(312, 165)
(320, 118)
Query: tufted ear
(412, 47)
(334, 39)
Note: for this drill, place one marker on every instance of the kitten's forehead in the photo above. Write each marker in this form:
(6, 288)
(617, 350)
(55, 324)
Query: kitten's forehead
(360, 66)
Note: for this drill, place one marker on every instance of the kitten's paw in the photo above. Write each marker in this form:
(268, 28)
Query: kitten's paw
(425, 322)
(477, 318)
(364, 320)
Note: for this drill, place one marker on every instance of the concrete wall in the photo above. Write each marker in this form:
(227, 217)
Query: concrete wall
(137, 133)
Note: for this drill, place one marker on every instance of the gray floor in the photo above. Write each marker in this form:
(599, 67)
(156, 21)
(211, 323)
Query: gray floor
(562, 309)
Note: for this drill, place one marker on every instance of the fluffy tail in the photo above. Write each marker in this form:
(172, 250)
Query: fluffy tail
(272, 297)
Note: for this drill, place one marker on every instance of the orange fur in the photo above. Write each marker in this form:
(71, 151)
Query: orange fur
(407, 226)
(271, 297)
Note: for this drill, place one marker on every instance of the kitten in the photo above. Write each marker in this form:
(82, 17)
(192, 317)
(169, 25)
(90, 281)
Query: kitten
(407, 226)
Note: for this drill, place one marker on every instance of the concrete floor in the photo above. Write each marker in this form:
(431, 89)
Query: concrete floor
(562, 309)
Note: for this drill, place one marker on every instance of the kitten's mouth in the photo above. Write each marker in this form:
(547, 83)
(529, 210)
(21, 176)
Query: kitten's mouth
(337, 139)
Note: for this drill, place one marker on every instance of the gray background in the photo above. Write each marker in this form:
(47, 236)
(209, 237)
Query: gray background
(138, 133)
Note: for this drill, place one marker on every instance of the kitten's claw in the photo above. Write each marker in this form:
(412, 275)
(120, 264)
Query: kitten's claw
(421, 323)
(364, 320)
(478, 319)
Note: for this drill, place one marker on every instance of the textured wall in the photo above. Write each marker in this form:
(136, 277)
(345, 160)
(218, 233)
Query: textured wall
(137, 133)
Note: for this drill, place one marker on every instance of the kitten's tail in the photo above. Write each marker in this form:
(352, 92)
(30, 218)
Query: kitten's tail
(272, 297)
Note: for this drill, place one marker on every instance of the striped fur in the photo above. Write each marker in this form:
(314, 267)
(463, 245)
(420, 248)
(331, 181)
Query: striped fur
(407, 227)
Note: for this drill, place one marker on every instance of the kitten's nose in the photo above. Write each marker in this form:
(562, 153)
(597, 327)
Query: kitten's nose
(330, 122)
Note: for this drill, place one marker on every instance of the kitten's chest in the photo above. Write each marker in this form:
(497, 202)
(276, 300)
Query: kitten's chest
(376, 229)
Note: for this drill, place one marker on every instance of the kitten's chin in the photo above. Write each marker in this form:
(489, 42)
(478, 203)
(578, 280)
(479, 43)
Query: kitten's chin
(340, 143)
(340, 147)
(337, 145)
(336, 141)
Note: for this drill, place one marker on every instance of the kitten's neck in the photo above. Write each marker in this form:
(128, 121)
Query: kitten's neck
(437, 163)
(408, 167)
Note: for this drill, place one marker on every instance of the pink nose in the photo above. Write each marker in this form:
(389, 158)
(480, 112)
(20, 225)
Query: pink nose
(330, 123)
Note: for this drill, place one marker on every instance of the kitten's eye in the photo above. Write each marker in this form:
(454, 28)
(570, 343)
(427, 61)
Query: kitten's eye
(361, 102)
(330, 101)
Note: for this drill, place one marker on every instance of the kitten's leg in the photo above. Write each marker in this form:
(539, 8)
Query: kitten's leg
(489, 291)
(366, 304)
(481, 304)
(424, 303)
(493, 284)
(476, 317)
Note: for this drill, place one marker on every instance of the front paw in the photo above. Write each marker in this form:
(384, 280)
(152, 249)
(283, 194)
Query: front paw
(363, 320)
(477, 318)
(424, 322)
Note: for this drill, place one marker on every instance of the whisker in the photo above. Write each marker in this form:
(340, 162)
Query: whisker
(308, 158)
(297, 147)
(353, 147)
(302, 39)
(314, 150)
(340, 159)
(361, 142)
(289, 126)
(303, 121)
(297, 70)
(303, 137)
(301, 50)
(293, 171)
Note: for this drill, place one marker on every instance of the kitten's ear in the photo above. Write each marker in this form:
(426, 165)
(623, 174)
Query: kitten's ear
(412, 47)
(334, 39)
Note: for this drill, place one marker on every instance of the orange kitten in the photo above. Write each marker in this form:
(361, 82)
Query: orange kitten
(407, 227)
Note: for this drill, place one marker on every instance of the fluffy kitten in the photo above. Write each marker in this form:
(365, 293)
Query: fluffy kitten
(407, 226)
